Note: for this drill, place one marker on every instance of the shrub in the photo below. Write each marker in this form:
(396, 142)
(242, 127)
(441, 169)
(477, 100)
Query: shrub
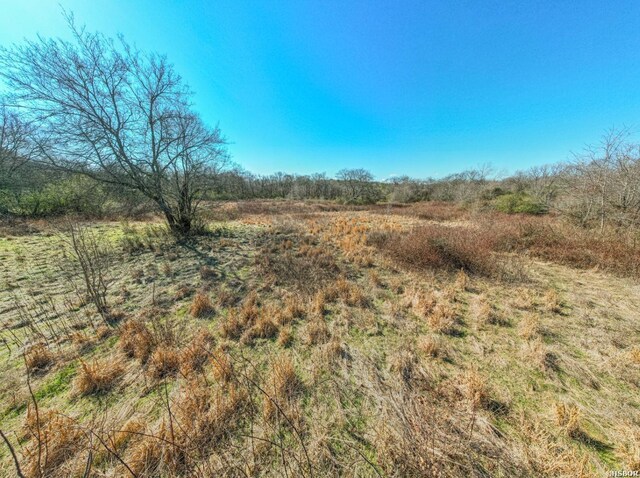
(518, 203)
(442, 247)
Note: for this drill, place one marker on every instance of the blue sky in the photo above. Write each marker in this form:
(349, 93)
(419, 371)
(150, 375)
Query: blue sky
(398, 87)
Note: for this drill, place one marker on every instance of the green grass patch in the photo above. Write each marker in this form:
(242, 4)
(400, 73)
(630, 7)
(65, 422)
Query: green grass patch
(58, 384)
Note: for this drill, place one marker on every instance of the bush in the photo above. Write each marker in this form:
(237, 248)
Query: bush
(442, 247)
(513, 203)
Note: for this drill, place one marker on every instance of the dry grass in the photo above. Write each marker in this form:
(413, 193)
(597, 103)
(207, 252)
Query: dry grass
(38, 358)
(551, 302)
(421, 302)
(537, 353)
(293, 309)
(201, 306)
(285, 337)
(529, 326)
(568, 419)
(200, 421)
(282, 387)
(442, 247)
(136, 340)
(629, 450)
(195, 355)
(319, 303)
(265, 328)
(475, 388)
(431, 346)
(316, 332)
(443, 318)
(221, 366)
(98, 376)
(164, 362)
(60, 439)
(392, 370)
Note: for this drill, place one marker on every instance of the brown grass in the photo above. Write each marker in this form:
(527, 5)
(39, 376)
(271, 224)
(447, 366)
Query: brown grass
(431, 346)
(196, 354)
(568, 419)
(442, 247)
(201, 305)
(38, 358)
(529, 326)
(538, 354)
(265, 327)
(285, 337)
(282, 386)
(316, 332)
(221, 366)
(442, 318)
(98, 376)
(319, 302)
(422, 302)
(136, 340)
(164, 362)
(231, 326)
(475, 388)
(293, 309)
(294, 266)
(60, 439)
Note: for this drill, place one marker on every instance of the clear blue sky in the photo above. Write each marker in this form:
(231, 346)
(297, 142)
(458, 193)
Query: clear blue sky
(417, 87)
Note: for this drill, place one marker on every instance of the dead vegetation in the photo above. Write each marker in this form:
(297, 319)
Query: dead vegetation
(388, 342)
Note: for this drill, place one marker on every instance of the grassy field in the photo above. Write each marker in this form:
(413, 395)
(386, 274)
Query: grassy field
(311, 339)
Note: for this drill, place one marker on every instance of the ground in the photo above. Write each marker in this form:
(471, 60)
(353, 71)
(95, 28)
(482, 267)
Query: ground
(286, 342)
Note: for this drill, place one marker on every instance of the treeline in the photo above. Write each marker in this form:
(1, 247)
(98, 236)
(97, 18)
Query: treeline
(598, 188)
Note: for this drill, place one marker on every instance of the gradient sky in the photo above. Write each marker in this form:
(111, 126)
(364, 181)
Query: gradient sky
(398, 87)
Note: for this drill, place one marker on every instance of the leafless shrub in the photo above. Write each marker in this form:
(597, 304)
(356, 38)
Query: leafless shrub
(93, 256)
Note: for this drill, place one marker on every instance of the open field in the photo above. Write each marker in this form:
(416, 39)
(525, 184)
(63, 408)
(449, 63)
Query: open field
(313, 339)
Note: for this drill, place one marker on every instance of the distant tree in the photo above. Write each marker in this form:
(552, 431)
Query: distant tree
(603, 183)
(15, 145)
(358, 186)
(104, 109)
(405, 189)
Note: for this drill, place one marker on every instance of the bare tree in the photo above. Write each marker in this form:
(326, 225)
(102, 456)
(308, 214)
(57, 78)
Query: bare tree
(117, 115)
(358, 185)
(603, 183)
(15, 147)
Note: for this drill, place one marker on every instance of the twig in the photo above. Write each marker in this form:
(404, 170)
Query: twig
(13, 454)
